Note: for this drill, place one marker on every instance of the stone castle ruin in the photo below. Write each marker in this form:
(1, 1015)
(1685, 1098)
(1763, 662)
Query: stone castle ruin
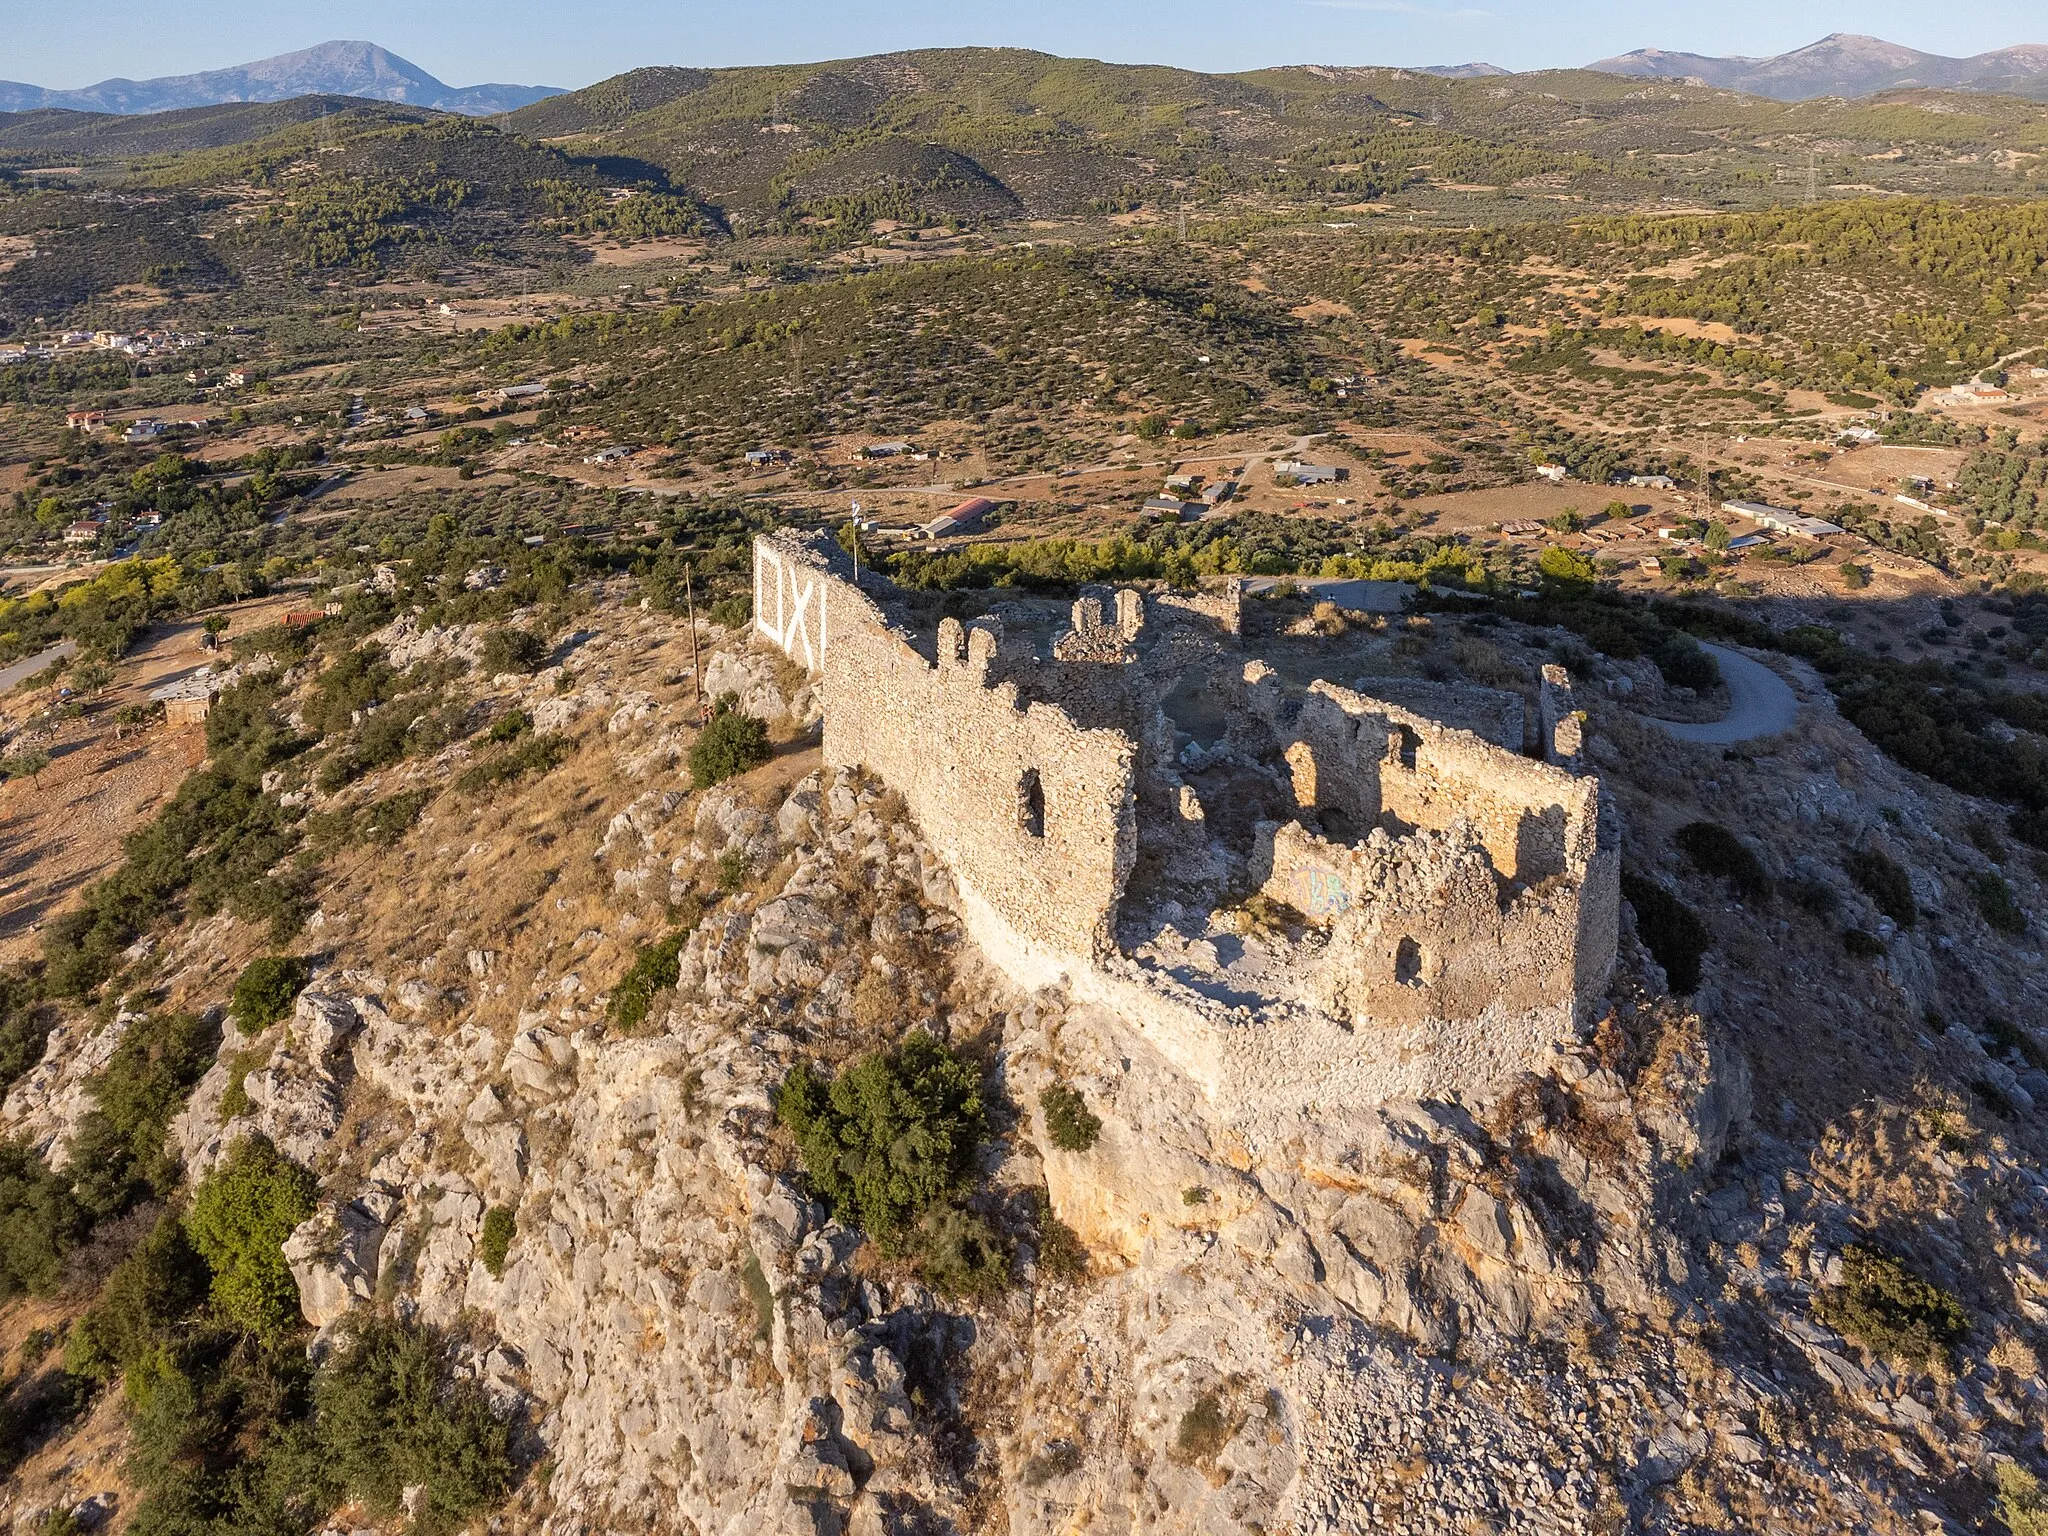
(1288, 887)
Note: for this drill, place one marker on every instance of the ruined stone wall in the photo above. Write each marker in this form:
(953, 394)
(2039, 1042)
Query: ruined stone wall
(1224, 609)
(1031, 809)
(1371, 759)
(1494, 895)
(1101, 677)
(1471, 920)
(1494, 714)
(1419, 928)
(1560, 721)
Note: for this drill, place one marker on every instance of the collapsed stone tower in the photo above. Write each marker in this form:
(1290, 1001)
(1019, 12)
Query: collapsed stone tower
(1315, 893)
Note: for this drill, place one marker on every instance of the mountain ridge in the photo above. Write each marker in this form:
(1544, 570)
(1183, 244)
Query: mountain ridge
(335, 68)
(1844, 64)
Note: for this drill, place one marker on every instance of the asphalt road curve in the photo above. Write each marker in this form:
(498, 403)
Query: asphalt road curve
(1760, 703)
(29, 666)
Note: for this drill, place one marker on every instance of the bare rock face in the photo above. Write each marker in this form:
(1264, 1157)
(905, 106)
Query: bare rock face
(294, 1093)
(406, 641)
(1285, 1310)
(333, 1256)
(49, 1100)
(754, 675)
(322, 1023)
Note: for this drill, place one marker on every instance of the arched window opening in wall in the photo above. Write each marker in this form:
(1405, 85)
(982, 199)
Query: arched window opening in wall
(1031, 804)
(1407, 744)
(1407, 962)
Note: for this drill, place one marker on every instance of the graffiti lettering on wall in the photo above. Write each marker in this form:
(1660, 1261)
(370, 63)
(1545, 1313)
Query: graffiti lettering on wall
(789, 603)
(1319, 893)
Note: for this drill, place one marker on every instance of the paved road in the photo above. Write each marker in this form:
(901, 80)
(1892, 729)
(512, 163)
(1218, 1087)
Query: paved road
(1357, 596)
(30, 666)
(1760, 703)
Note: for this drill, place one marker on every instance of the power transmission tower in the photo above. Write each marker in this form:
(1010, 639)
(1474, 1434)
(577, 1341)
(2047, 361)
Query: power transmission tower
(1812, 177)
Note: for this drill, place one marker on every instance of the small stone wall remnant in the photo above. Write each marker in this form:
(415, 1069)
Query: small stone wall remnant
(1562, 722)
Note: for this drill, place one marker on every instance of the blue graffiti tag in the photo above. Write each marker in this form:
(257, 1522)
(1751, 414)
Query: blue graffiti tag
(1321, 892)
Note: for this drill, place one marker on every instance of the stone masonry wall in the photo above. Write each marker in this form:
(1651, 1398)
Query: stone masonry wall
(1369, 758)
(1418, 929)
(1505, 895)
(1465, 931)
(1032, 811)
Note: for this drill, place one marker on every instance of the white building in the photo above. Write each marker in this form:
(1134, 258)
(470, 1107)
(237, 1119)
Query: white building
(1781, 519)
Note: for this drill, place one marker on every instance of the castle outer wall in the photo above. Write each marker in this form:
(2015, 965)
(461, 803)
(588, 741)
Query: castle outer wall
(1460, 947)
(1033, 813)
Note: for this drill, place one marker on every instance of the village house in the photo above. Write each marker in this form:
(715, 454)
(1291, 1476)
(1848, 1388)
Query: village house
(1302, 473)
(187, 701)
(85, 421)
(960, 520)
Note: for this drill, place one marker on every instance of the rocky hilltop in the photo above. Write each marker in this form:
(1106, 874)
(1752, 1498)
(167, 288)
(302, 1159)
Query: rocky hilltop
(1631, 1292)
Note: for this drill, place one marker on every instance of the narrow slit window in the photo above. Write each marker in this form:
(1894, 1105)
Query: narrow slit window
(1407, 962)
(1031, 804)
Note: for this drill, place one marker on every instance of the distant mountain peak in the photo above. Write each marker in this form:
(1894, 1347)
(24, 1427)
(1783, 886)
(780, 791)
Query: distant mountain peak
(336, 68)
(1843, 64)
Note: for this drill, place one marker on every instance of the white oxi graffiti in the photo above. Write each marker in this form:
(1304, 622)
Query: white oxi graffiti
(789, 602)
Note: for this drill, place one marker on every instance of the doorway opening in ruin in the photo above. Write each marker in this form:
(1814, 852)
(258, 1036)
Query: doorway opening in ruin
(1339, 825)
(1196, 707)
(1408, 744)
(1031, 804)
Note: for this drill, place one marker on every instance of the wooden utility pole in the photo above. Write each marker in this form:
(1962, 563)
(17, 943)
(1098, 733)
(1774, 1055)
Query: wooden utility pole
(696, 672)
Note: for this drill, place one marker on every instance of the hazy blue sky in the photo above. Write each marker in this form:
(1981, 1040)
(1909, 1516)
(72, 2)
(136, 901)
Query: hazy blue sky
(570, 43)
